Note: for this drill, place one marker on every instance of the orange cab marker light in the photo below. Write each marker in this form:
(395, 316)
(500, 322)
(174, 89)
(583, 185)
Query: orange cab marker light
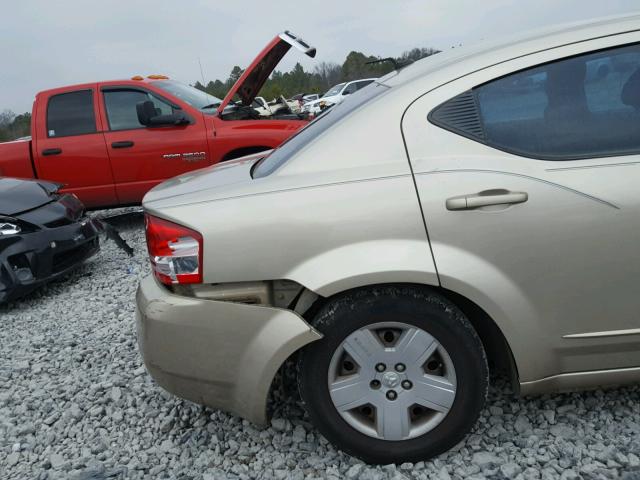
(137, 77)
(158, 77)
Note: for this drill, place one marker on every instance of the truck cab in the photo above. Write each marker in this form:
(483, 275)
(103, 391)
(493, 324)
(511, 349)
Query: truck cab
(110, 142)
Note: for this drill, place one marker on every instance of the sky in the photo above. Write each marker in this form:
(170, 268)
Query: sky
(45, 44)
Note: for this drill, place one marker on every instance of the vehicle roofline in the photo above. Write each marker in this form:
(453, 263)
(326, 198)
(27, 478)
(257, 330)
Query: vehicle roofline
(505, 48)
(87, 85)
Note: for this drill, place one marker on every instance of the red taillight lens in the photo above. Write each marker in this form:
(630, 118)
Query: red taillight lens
(175, 251)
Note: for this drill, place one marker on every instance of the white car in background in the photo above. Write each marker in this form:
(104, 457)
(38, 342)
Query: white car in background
(336, 95)
(267, 109)
(312, 97)
(303, 98)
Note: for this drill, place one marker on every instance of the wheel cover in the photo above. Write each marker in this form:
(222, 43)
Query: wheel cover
(392, 381)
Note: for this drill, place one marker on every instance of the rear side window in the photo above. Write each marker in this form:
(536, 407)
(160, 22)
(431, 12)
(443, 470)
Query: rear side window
(71, 114)
(351, 88)
(581, 107)
(363, 84)
(121, 107)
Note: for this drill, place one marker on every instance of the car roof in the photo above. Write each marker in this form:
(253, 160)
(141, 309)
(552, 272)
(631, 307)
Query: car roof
(80, 86)
(509, 47)
(361, 80)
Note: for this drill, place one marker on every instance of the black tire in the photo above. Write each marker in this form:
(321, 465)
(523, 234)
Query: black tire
(417, 306)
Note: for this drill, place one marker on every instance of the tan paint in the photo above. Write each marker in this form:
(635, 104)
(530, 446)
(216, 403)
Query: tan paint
(220, 354)
(344, 212)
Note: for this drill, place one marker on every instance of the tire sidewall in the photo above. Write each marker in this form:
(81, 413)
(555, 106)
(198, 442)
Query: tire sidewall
(425, 310)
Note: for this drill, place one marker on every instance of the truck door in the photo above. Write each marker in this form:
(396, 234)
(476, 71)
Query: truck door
(141, 157)
(69, 146)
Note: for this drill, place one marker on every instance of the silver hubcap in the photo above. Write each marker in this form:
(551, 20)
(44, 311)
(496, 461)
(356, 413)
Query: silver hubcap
(392, 381)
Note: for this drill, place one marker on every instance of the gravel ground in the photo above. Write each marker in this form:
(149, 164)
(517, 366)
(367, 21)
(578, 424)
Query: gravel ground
(76, 403)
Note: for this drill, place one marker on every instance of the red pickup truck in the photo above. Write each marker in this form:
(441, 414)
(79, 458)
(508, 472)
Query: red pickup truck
(110, 142)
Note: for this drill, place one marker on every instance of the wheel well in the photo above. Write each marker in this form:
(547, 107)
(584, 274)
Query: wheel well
(496, 347)
(241, 152)
(495, 344)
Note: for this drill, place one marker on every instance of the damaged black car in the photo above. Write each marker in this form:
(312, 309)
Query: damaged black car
(43, 235)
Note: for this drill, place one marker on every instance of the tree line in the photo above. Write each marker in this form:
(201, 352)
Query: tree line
(324, 76)
(14, 126)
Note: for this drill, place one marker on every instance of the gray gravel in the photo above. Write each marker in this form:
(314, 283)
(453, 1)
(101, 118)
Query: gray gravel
(76, 403)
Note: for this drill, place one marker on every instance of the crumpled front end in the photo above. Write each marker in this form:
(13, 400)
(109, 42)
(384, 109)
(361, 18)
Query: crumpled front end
(52, 240)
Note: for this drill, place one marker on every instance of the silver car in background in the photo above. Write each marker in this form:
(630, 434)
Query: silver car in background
(477, 210)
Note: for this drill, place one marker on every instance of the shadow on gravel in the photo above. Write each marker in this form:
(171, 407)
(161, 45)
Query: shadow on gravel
(589, 435)
(124, 221)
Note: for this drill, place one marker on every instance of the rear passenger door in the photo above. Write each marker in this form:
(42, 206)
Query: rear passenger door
(528, 174)
(69, 147)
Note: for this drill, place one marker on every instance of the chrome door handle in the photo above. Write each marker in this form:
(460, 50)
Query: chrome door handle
(485, 199)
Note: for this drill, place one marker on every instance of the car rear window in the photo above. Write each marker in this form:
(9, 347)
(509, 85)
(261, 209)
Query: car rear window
(294, 144)
(71, 114)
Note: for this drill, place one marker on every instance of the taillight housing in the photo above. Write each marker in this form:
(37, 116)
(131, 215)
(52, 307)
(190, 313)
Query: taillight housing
(175, 251)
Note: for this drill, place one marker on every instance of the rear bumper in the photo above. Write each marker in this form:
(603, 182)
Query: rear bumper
(219, 354)
(29, 260)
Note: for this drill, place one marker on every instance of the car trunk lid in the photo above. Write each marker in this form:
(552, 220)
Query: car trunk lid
(223, 178)
(254, 77)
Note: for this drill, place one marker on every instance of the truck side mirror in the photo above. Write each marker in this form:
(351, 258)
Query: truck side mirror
(146, 111)
(148, 116)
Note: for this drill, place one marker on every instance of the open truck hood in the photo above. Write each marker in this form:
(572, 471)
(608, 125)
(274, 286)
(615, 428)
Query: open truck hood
(17, 195)
(253, 78)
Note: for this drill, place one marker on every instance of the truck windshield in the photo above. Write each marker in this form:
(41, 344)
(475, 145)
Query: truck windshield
(191, 95)
(313, 130)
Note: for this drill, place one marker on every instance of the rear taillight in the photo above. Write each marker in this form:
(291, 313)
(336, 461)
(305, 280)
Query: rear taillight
(175, 251)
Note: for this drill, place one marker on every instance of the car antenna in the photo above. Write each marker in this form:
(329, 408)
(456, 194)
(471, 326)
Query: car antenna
(201, 72)
(396, 64)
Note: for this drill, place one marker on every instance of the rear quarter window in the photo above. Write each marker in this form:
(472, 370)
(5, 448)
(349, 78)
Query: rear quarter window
(580, 107)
